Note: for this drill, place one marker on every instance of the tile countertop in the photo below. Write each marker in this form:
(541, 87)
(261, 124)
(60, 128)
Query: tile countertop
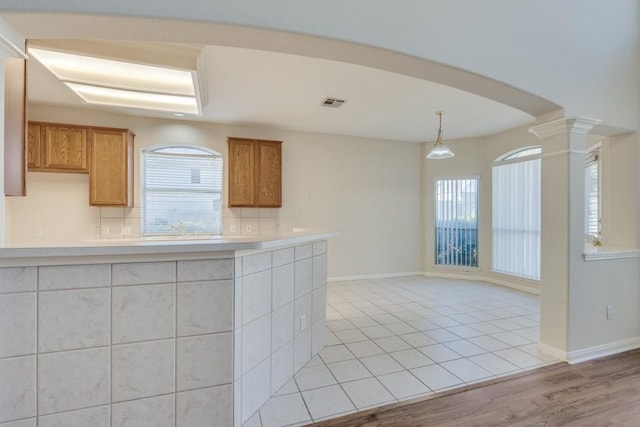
(161, 245)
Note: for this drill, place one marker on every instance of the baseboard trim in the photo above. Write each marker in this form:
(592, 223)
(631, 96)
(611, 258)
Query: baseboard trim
(590, 353)
(374, 276)
(491, 280)
(598, 351)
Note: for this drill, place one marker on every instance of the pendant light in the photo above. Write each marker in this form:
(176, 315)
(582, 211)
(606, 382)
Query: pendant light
(439, 150)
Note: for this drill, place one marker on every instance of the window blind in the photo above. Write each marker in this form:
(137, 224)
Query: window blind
(592, 194)
(456, 218)
(182, 191)
(516, 219)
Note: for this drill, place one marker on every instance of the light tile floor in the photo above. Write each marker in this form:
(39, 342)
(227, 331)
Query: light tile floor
(394, 339)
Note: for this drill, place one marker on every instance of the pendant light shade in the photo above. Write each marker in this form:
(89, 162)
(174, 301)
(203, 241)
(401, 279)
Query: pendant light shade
(439, 150)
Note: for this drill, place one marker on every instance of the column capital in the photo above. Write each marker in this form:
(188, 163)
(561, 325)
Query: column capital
(561, 126)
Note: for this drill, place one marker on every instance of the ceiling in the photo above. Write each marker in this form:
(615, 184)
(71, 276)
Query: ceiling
(263, 88)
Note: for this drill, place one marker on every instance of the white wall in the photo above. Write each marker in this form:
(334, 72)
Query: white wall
(620, 191)
(367, 189)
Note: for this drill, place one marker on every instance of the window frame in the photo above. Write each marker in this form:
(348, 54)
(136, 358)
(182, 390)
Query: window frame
(477, 217)
(143, 171)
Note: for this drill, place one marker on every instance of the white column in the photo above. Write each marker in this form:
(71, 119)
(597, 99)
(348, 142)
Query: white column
(562, 241)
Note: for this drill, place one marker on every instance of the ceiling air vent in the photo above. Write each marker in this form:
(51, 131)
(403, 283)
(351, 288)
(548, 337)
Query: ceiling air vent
(333, 102)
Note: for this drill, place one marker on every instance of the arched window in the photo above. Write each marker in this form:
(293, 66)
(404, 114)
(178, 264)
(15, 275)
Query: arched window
(516, 213)
(535, 150)
(181, 190)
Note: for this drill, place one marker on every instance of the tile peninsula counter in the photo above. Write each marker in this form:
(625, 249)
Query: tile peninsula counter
(165, 332)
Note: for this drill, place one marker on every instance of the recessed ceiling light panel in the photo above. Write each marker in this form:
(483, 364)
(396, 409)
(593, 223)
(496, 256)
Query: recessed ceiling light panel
(122, 83)
(133, 99)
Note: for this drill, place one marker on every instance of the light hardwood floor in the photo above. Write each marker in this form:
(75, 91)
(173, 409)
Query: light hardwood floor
(602, 392)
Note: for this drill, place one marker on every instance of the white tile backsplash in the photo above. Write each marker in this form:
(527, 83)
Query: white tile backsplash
(268, 226)
(98, 417)
(150, 412)
(204, 361)
(73, 380)
(142, 369)
(18, 279)
(205, 307)
(18, 390)
(73, 319)
(17, 324)
(143, 313)
(250, 226)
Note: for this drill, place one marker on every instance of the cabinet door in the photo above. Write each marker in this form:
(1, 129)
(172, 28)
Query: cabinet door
(34, 147)
(268, 180)
(66, 148)
(241, 172)
(111, 174)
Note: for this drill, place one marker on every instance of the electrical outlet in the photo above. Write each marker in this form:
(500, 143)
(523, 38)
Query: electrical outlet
(247, 228)
(39, 232)
(609, 312)
(303, 322)
(232, 228)
(105, 231)
(126, 231)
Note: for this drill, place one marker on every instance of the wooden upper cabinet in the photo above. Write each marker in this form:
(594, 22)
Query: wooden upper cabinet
(34, 147)
(268, 173)
(255, 173)
(241, 172)
(66, 148)
(111, 167)
(57, 148)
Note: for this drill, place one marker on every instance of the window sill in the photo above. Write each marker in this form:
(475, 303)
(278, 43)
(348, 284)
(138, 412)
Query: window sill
(603, 253)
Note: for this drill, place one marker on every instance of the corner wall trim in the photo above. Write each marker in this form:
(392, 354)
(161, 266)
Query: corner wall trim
(597, 351)
(374, 276)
